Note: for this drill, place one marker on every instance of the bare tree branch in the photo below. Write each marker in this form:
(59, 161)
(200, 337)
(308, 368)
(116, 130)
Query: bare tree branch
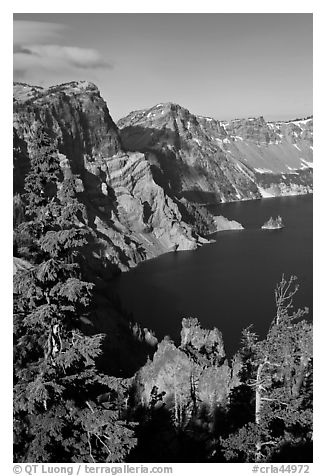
(90, 447)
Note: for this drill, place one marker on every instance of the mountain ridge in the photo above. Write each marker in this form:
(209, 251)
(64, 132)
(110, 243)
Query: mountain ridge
(239, 145)
(146, 179)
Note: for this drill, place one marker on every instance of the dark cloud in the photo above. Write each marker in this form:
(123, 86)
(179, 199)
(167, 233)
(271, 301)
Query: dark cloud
(21, 49)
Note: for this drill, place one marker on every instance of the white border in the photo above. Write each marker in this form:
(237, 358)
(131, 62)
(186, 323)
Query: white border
(168, 6)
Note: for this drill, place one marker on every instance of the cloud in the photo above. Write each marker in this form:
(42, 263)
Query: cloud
(57, 57)
(36, 32)
(37, 56)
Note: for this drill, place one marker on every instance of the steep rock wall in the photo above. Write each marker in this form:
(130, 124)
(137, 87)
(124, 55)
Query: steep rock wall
(130, 214)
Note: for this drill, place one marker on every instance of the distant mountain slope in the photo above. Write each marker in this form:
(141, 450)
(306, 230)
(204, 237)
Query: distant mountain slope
(207, 160)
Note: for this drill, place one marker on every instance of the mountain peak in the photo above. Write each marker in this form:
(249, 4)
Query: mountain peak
(80, 85)
(24, 92)
(161, 113)
(170, 107)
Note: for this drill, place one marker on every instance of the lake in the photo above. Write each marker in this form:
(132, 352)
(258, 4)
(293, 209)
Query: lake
(228, 284)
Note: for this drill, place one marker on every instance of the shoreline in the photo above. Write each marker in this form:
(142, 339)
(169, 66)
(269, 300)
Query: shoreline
(206, 240)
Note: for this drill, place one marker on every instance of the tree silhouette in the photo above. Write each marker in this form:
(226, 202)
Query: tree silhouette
(278, 372)
(57, 415)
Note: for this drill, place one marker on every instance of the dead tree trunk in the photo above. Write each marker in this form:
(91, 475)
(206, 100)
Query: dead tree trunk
(258, 405)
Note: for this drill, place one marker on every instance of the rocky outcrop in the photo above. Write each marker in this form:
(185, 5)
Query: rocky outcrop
(273, 224)
(211, 161)
(223, 224)
(186, 377)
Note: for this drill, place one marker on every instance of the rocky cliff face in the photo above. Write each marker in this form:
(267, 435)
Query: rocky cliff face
(130, 213)
(142, 182)
(211, 161)
(198, 366)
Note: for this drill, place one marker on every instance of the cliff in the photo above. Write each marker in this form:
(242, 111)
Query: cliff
(211, 161)
(196, 369)
(131, 215)
(145, 181)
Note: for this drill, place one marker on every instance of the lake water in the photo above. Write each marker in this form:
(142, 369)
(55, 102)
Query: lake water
(228, 284)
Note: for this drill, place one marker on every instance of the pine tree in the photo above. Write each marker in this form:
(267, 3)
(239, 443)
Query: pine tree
(277, 371)
(57, 416)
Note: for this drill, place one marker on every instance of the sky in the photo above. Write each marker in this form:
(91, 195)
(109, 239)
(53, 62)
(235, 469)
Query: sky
(217, 64)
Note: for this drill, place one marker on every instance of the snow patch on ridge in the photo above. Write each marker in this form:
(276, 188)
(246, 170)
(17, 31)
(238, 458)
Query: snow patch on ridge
(307, 164)
(263, 171)
(293, 170)
(300, 121)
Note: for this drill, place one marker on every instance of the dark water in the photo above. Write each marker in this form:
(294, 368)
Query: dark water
(228, 284)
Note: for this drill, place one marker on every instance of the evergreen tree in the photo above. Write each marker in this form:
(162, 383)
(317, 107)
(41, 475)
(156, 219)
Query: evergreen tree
(57, 415)
(277, 371)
